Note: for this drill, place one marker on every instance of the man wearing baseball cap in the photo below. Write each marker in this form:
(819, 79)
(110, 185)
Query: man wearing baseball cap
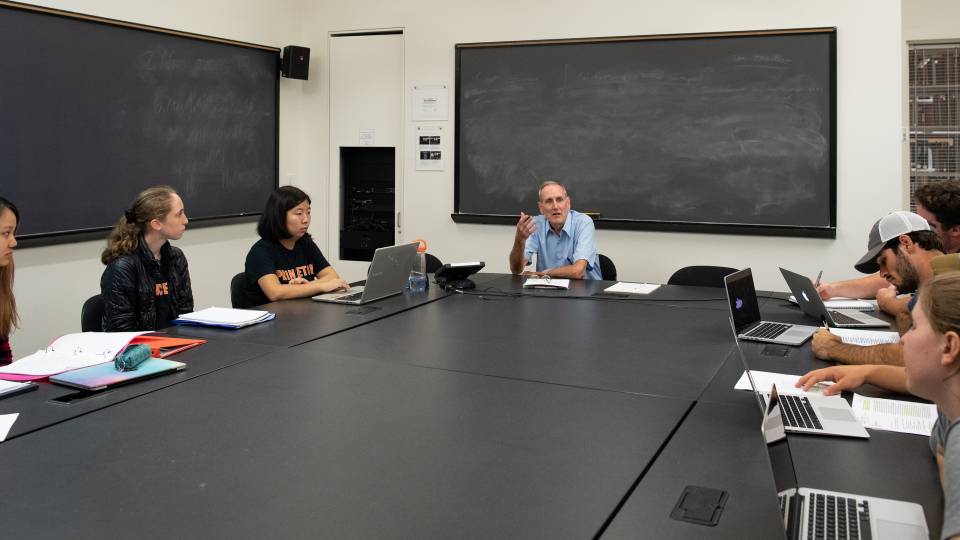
(900, 247)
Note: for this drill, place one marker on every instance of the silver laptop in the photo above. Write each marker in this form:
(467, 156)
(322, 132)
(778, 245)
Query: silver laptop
(810, 303)
(745, 314)
(386, 276)
(811, 414)
(817, 513)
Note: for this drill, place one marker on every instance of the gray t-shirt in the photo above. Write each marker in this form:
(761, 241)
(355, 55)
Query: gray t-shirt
(939, 433)
(951, 483)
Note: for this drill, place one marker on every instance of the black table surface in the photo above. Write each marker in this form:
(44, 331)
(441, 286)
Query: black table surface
(718, 446)
(296, 444)
(303, 320)
(617, 345)
(53, 403)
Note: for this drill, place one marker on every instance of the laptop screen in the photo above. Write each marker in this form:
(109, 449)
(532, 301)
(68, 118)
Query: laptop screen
(743, 299)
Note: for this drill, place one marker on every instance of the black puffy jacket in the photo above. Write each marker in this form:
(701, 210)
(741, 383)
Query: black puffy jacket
(127, 286)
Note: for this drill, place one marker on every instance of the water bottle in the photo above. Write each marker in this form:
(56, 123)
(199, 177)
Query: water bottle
(417, 282)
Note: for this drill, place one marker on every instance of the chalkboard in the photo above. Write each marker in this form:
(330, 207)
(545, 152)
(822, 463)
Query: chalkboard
(713, 133)
(94, 111)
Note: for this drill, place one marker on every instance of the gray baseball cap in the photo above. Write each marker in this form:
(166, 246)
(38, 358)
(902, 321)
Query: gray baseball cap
(887, 228)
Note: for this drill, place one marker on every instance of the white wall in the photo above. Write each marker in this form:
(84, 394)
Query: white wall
(869, 118)
(52, 282)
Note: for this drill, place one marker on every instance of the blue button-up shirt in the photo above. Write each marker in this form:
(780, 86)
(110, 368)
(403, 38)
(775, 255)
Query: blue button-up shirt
(574, 242)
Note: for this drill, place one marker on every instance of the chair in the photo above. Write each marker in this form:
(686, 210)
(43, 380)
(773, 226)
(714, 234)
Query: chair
(700, 276)
(608, 270)
(91, 314)
(238, 294)
(433, 263)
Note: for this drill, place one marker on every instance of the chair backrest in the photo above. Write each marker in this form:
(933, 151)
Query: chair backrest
(433, 263)
(238, 296)
(608, 270)
(700, 276)
(91, 315)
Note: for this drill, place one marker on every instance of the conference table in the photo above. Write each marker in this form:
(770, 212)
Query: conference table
(495, 412)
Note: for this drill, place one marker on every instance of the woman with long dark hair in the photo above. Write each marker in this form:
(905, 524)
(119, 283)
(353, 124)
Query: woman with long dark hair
(9, 219)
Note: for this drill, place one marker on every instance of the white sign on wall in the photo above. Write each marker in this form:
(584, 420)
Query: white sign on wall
(429, 102)
(429, 148)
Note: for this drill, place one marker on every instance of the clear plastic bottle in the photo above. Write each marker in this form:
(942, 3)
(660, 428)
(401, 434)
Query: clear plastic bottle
(417, 282)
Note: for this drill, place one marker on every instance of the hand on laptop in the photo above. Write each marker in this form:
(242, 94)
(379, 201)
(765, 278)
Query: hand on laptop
(845, 377)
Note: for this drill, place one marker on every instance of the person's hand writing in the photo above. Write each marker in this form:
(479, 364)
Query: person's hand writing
(845, 377)
(886, 298)
(823, 343)
(825, 288)
(525, 227)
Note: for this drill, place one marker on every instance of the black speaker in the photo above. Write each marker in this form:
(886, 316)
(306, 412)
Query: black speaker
(295, 63)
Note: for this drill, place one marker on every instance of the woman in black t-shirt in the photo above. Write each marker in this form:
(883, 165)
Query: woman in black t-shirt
(285, 263)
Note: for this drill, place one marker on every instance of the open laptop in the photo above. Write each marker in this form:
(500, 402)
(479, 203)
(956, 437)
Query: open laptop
(386, 276)
(810, 303)
(745, 314)
(817, 513)
(811, 414)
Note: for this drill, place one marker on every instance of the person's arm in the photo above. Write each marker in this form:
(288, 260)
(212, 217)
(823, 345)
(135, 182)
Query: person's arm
(577, 270)
(300, 287)
(827, 346)
(119, 290)
(865, 287)
(889, 302)
(893, 378)
(185, 298)
(525, 228)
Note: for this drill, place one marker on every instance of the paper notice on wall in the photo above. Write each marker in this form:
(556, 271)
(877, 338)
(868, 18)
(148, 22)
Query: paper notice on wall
(429, 148)
(367, 136)
(429, 102)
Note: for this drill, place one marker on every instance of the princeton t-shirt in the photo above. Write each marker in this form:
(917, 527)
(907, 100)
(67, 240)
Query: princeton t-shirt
(267, 257)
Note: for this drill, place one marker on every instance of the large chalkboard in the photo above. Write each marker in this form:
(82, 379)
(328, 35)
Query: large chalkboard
(94, 111)
(715, 133)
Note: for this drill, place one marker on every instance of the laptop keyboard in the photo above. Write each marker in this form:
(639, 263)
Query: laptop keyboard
(797, 412)
(835, 517)
(351, 297)
(767, 330)
(840, 318)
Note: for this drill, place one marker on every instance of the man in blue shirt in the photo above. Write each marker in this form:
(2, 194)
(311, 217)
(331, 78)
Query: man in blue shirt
(561, 238)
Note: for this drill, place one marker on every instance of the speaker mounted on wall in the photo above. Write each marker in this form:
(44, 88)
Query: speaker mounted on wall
(295, 63)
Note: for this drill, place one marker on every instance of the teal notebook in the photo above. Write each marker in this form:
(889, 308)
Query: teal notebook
(105, 375)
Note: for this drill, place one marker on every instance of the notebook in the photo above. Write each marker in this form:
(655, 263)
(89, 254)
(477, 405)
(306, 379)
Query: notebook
(817, 513)
(745, 314)
(811, 413)
(105, 375)
(810, 303)
(386, 276)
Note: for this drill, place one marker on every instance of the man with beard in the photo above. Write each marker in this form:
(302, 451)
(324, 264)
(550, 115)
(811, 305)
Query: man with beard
(901, 247)
(563, 239)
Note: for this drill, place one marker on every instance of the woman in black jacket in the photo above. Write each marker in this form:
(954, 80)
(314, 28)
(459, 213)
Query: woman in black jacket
(146, 283)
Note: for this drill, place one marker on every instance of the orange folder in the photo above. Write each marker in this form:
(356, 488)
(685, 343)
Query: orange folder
(164, 346)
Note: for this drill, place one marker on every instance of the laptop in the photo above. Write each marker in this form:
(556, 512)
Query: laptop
(810, 303)
(386, 276)
(811, 414)
(817, 513)
(745, 314)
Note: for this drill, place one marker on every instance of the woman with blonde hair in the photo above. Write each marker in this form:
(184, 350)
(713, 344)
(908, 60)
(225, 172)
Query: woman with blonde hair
(9, 219)
(146, 284)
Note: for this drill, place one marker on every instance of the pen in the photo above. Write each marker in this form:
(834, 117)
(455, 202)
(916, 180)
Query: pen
(817, 283)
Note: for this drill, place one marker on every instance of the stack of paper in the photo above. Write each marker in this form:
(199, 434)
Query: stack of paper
(864, 337)
(846, 303)
(225, 317)
(72, 351)
(546, 283)
(623, 287)
(6, 422)
(895, 415)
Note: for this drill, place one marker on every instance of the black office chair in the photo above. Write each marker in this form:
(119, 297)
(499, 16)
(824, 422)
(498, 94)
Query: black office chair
(608, 270)
(433, 263)
(700, 276)
(91, 314)
(238, 295)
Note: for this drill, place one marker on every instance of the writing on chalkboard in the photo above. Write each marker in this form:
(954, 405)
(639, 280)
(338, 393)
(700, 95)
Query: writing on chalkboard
(733, 131)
